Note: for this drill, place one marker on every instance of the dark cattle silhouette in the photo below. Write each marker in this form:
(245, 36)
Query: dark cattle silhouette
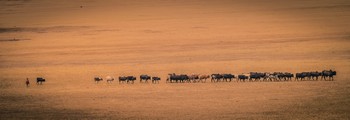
(289, 76)
(242, 78)
(145, 77)
(216, 77)
(315, 75)
(155, 79)
(328, 74)
(280, 76)
(283, 76)
(127, 79)
(131, 79)
(122, 79)
(40, 80)
(301, 76)
(97, 79)
(256, 76)
(177, 78)
(228, 77)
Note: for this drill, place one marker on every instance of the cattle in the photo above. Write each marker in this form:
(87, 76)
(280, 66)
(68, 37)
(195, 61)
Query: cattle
(109, 79)
(171, 78)
(283, 76)
(131, 79)
(177, 78)
(270, 77)
(127, 79)
(289, 76)
(216, 77)
(98, 79)
(256, 76)
(193, 77)
(223, 77)
(228, 77)
(155, 79)
(242, 78)
(280, 76)
(301, 76)
(145, 77)
(40, 80)
(203, 78)
(328, 74)
(253, 76)
(273, 77)
(122, 79)
(314, 75)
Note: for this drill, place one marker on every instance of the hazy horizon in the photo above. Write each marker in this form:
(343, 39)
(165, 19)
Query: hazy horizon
(70, 42)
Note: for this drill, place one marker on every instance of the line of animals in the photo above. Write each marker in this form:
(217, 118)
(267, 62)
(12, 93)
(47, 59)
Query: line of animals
(250, 77)
(130, 79)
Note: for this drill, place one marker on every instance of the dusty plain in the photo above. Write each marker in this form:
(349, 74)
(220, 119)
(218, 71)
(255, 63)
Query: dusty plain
(70, 42)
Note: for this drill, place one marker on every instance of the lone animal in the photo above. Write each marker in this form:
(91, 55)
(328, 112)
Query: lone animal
(40, 80)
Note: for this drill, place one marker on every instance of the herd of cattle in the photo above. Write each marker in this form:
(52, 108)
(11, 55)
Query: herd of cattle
(129, 79)
(250, 77)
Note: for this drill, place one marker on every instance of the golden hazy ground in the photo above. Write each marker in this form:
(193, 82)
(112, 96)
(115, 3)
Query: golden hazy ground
(70, 42)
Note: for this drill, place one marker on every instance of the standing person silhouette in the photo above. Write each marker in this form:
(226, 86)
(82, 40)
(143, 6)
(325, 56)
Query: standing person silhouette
(27, 82)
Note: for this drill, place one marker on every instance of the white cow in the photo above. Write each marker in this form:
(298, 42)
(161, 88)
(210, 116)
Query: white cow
(109, 79)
